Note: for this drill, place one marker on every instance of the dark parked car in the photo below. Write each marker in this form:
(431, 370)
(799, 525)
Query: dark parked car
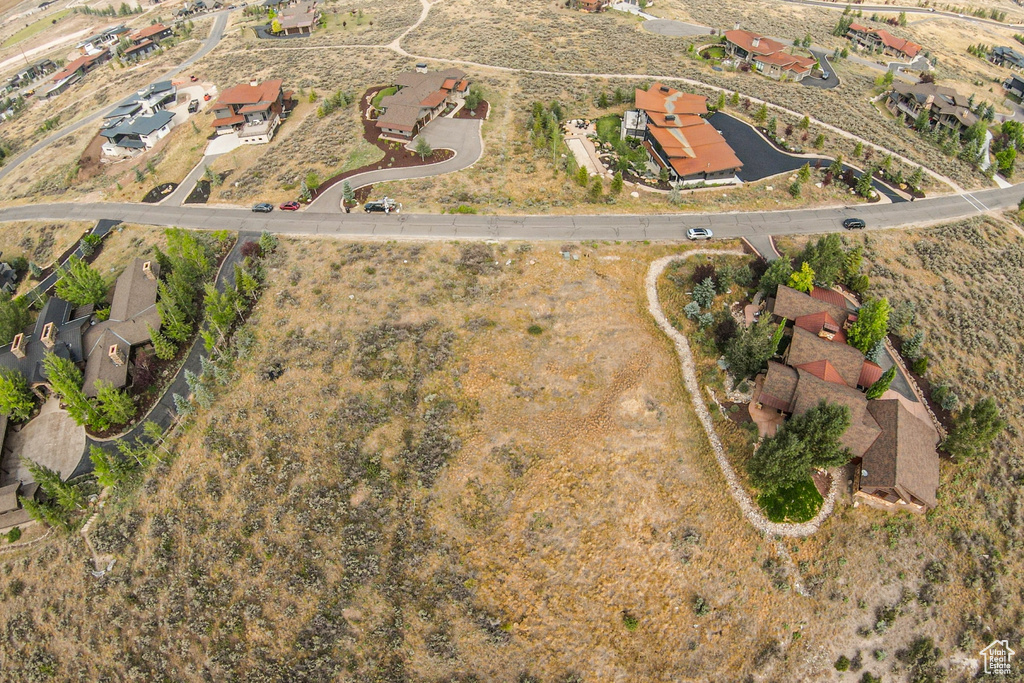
(263, 207)
(854, 224)
(289, 206)
(193, 106)
(385, 205)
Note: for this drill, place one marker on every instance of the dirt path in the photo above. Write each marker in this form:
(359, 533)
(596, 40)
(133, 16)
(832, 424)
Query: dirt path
(747, 506)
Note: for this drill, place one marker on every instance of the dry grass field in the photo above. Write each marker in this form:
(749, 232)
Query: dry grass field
(40, 241)
(435, 489)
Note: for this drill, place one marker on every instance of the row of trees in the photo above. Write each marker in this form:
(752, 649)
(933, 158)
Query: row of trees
(111, 407)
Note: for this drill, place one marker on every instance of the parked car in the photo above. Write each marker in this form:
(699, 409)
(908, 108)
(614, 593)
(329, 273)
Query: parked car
(263, 207)
(386, 205)
(193, 106)
(193, 78)
(289, 206)
(854, 224)
(206, 97)
(825, 74)
(699, 234)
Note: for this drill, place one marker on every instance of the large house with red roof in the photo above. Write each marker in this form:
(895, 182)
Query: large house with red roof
(253, 111)
(421, 96)
(678, 139)
(875, 39)
(73, 72)
(893, 446)
(768, 57)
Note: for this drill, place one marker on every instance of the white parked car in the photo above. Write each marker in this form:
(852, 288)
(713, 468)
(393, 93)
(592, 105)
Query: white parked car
(699, 234)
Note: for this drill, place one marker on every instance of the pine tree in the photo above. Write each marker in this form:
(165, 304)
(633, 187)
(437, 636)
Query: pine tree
(162, 346)
(617, 183)
(80, 284)
(882, 385)
(777, 274)
(68, 497)
(14, 317)
(974, 429)
(16, 399)
(116, 405)
(268, 242)
(66, 381)
(346, 191)
(182, 406)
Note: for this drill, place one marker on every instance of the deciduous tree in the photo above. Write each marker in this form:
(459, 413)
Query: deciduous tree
(778, 273)
(14, 317)
(803, 279)
(871, 326)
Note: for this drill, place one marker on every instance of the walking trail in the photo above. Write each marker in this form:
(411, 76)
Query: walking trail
(747, 506)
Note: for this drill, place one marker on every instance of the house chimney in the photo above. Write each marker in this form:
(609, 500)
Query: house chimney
(421, 68)
(929, 100)
(49, 336)
(147, 270)
(755, 42)
(253, 82)
(115, 355)
(736, 26)
(18, 346)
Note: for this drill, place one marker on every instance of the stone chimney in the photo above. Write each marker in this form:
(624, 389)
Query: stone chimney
(928, 101)
(115, 355)
(147, 270)
(49, 336)
(18, 346)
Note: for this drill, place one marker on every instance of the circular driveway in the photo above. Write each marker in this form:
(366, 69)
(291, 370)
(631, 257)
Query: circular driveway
(51, 438)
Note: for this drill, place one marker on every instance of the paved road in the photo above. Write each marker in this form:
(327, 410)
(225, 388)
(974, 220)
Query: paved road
(216, 33)
(460, 135)
(564, 228)
(894, 9)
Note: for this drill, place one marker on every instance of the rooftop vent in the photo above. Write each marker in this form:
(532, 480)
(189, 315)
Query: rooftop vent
(670, 117)
(663, 88)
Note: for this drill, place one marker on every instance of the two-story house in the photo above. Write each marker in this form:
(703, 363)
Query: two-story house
(945, 106)
(877, 39)
(253, 111)
(767, 56)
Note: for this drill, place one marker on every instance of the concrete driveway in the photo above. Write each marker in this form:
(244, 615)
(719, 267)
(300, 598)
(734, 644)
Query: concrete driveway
(460, 135)
(51, 438)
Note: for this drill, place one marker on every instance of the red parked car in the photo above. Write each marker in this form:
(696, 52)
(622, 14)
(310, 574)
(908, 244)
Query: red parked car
(289, 206)
(193, 78)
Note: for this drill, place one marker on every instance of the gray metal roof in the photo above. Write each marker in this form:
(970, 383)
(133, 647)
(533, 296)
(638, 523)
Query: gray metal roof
(140, 125)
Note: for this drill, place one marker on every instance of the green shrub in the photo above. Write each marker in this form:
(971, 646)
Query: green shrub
(700, 606)
(631, 622)
(535, 330)
(13, 535)
(843, 663)
(920, 366)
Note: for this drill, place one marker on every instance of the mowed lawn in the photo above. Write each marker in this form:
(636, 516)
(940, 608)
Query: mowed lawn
(797, 503)
(608, 128)
(36, 27)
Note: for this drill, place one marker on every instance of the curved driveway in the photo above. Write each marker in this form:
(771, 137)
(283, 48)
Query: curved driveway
(563, 228)
(216, 33)
(459, 135)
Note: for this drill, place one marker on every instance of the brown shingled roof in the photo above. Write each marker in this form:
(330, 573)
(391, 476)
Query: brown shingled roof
(778, 387)
(792, 304)
(810, 391)
(807, 348)
(903, 458)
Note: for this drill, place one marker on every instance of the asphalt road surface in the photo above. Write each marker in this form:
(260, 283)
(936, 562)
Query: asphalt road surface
(216, 33)
(536, 228)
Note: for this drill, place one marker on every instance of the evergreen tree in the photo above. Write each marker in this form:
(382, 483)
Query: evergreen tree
(66, 381)
(182, 406)
(80, 284)
(423, 147)
(596, 190)
(778, 273)
(116, 405)
(16, 399)
(617, 183)
(974, 429)
(826, 258)
(750, 348)
(346, 192)
(803, 443)
(109, 469)
(14, 317)
(162, 346)
(268, 242)
(67, 497)
(882, 385)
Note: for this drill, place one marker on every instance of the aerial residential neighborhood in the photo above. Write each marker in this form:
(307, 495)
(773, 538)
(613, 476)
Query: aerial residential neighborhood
(559, 342)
